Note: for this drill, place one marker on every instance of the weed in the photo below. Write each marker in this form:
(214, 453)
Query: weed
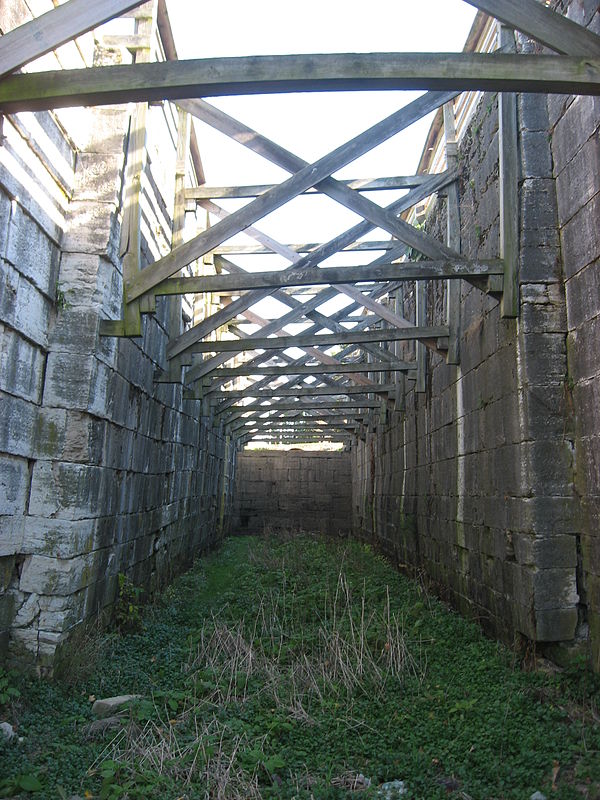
(60, 298)
(8, 691)
(296, 667)
(127, 610)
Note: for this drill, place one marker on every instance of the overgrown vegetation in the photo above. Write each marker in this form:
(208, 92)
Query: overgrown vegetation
(304, 668)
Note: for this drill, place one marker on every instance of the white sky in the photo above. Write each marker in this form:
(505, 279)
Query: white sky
(311, 125)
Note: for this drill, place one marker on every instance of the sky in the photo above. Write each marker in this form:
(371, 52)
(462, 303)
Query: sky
(311, 125)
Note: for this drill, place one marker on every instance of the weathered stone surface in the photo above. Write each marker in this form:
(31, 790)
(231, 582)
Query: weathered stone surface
(21, 366)
(45, 575)
(14, 485)
(98, 177)
(7, 731)
(108, 706)
(31, 252)
(27, 612)
(23, 306)
(92, 229)
(296, 491)
(578, 183)
(67, 490)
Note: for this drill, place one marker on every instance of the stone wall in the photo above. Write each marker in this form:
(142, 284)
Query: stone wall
(293, 490)
(473, 482)
(574, 123)
(102, 470)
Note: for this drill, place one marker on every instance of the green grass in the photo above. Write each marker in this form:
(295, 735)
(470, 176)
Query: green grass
(287, 668)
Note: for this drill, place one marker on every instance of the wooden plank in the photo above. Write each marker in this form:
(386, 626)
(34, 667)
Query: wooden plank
(324, 340)
(420, 319)
(509, 192)
(276, 328)
(337, 190)
(208, 365)
(311, 369)
(311, 259)
(542, 23)
(131, 236)
(306, 424)
(299, 310)
(312, 421)
(317, 405)
(303, 391)
(342, 425)
(49, 31)
(305, 310)
(360, 184)
(315, 276)
(217, 77)
(453, 238)
(306, 247)
(205, 366)
(306, 177)
(175, 322)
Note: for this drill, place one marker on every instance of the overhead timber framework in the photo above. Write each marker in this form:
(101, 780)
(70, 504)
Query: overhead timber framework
(355, 361)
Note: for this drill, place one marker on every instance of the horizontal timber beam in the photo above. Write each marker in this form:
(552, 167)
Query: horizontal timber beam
(324, 340)
(217, 77)
(314, 276)
(305, 391)
(360, 184)
(339, 242)
(309, 369)
(308, 175)
(307, 247)
(312, 422)
(319, 405)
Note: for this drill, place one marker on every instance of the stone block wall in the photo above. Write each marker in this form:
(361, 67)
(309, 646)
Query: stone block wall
(294, 491)
(574, 124)
(473, 482)
(102, 470)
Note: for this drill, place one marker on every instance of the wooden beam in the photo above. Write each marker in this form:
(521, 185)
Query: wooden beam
(313, 258)
(453, 236)
(267, 356)
(360, 184)
(304, 391)
(542, 23)
(49, 31)
(209, 365)
(218, 77)
(314, 315)
(310, 369)
(337, 190)
(509, 190)
(324, 340)
(404, 271)
(306, 247)
(299, 310)
(318, 405)
(304, 178)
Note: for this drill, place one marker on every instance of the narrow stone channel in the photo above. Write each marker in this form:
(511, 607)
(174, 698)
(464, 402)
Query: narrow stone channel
(299, 667)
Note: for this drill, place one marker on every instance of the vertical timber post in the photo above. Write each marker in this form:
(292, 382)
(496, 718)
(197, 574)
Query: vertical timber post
(421, 320)
(130, 249)
(400, 377)
(509, 189)
(183, 134)
(453, 287)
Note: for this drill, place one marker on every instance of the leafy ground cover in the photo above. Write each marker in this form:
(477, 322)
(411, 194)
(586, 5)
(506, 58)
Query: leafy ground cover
(291, 668)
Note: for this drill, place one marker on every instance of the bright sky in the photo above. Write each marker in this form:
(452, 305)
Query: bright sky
(311, 125)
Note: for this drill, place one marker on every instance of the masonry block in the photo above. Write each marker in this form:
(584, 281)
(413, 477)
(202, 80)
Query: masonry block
(21, 366)
(31, 252)
(14, 485)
